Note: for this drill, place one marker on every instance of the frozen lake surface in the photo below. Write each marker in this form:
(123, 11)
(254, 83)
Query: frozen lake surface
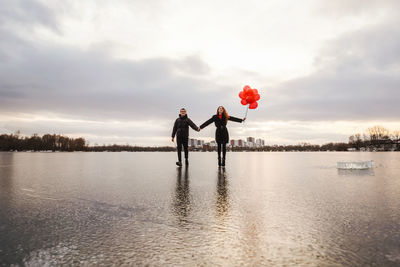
(140, 209)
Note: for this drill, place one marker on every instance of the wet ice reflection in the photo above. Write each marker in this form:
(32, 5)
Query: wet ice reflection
(262, 209)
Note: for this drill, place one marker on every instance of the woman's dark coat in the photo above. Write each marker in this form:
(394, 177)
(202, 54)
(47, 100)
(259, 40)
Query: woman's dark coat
(181, 127)
(221, 134)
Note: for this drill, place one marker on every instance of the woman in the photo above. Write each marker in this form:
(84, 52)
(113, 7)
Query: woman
(221, 134)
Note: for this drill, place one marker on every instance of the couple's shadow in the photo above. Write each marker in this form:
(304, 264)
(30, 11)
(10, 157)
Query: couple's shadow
(183, 199)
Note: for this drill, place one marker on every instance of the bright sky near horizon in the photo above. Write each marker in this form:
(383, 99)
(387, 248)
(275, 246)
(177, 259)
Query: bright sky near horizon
(119, 71)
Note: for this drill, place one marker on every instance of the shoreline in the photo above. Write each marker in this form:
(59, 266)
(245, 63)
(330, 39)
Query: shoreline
(199, 151)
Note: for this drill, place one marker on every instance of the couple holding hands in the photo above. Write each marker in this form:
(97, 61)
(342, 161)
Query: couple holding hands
(181, 130)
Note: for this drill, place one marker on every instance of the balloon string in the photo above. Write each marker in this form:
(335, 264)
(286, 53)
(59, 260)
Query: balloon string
(247, 109)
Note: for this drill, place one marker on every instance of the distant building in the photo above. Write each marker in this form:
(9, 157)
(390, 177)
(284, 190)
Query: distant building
(200, 143)
(192, 142)
(240, 143)
(234, 143)
(195, 143)
(260, 143)
(250, 142)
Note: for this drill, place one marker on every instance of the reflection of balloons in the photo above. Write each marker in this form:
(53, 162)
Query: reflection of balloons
(249, 96)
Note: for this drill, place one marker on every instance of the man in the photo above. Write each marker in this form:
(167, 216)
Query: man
(181, 129)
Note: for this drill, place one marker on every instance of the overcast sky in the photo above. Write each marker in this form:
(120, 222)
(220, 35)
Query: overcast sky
(119, 71)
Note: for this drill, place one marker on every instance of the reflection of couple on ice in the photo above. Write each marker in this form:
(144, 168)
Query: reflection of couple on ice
(181, 130)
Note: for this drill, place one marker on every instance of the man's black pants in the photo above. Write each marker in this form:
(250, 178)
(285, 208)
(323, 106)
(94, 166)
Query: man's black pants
(182, 141)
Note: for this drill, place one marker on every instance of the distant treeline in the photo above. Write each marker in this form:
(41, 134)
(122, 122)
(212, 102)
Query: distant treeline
(376, 138)
(55, 142)
(47, 142)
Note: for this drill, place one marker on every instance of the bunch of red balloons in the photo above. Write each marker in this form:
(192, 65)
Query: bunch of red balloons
(249, 96)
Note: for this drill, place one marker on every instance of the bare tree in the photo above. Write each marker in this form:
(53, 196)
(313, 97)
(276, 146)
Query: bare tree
(395, 135)
(378, 132)
(358, 141)
(351, 140)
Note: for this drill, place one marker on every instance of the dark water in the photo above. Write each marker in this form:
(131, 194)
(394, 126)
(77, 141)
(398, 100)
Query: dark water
(139, 209)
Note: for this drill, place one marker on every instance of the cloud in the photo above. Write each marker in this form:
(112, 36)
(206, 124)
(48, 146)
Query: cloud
(14, 13)
(40, 77)
(92, 84)
(357, 78)
(345, 8)
(355, 75)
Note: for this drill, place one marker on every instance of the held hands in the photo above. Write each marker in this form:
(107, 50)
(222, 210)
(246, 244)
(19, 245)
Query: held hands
(243, 119)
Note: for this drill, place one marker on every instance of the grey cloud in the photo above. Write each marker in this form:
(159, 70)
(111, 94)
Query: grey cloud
(95, 86)
(374, 48)
(193, 65)
(357, 78)
(344, 8)
(39, 77)
(26, 13)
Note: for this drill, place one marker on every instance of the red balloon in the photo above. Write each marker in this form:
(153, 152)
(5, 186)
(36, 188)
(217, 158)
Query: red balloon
(250, 99)
(253, 105)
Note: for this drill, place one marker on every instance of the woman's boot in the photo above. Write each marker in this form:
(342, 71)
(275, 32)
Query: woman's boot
(223, 162)
(219, 162)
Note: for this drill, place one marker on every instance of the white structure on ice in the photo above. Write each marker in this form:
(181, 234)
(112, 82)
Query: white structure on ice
(355, 165)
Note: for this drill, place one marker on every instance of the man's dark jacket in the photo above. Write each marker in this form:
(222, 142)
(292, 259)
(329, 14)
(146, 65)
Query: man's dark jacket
(181, 127)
